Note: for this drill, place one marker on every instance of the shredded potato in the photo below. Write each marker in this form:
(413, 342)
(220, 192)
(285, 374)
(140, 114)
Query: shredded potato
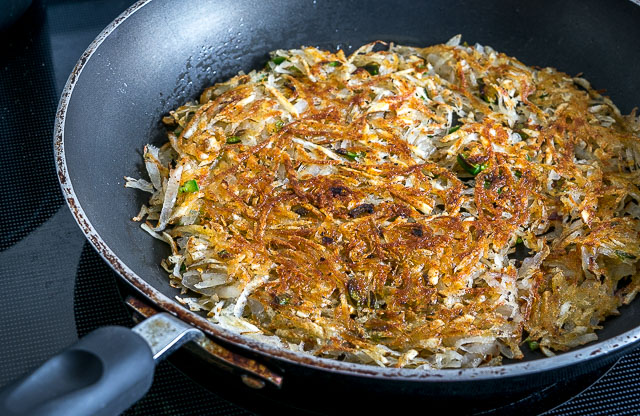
(423, 207)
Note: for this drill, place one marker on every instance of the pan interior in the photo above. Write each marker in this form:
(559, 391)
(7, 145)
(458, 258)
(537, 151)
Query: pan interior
(167, 52)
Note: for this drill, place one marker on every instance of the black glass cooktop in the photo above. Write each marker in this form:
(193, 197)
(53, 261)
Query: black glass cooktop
(55, 288)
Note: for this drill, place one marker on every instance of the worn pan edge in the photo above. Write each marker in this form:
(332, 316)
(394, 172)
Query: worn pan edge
(615, 345)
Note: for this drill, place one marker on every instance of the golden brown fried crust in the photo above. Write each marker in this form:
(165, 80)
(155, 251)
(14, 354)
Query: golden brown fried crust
(369, 236)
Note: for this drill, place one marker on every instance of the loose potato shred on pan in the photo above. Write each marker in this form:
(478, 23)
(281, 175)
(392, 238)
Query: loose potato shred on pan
(432, 207)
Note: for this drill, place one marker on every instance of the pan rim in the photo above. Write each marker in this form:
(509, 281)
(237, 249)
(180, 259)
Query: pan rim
(581, 355)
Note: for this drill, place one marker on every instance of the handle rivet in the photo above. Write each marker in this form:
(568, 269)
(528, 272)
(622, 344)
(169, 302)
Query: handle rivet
(252, 382)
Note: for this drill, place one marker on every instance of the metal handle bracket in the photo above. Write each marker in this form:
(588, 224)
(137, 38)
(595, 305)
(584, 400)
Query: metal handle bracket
(252, 373)
(165, 334)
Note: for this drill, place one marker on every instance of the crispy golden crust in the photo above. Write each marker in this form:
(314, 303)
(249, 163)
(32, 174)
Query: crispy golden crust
(369, 207)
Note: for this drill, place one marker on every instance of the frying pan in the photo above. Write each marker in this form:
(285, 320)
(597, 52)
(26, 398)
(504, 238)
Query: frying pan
(157, 55)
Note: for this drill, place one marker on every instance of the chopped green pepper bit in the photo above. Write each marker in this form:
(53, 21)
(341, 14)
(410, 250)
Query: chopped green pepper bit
(487, 93)
(335, 63)
(529, 158)
(533, 345)
(278, 60)
(486, 99)
(183, 268)
(349, 154)
(178, 131)
(283, 299)
(279, 124)
(472, 169)
(518, 174)
(372, 69)
(519, 240)
(233, 140)
(624, 255)
(189, 186)
(454, 129)
(487, 184)
(545, 95)
(354, 294)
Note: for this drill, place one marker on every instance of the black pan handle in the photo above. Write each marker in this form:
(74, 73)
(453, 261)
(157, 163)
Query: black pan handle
(102, 374)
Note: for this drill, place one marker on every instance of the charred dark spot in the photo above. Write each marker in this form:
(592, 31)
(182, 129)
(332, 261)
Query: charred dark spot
(417, 231)
(555, 216)
(300, 210)
(338, 190)
(342, 151)
(361, 210)
(322, 259)
(327, 240)
(373, 299)
(290, 86)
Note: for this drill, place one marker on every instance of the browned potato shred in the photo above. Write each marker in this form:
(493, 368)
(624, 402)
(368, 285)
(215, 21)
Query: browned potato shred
(423, 207)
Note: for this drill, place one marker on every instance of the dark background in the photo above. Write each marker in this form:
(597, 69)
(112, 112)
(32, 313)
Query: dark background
(54, 287)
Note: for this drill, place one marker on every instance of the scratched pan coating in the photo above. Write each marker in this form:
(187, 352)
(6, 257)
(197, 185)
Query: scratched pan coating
(159, 53)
